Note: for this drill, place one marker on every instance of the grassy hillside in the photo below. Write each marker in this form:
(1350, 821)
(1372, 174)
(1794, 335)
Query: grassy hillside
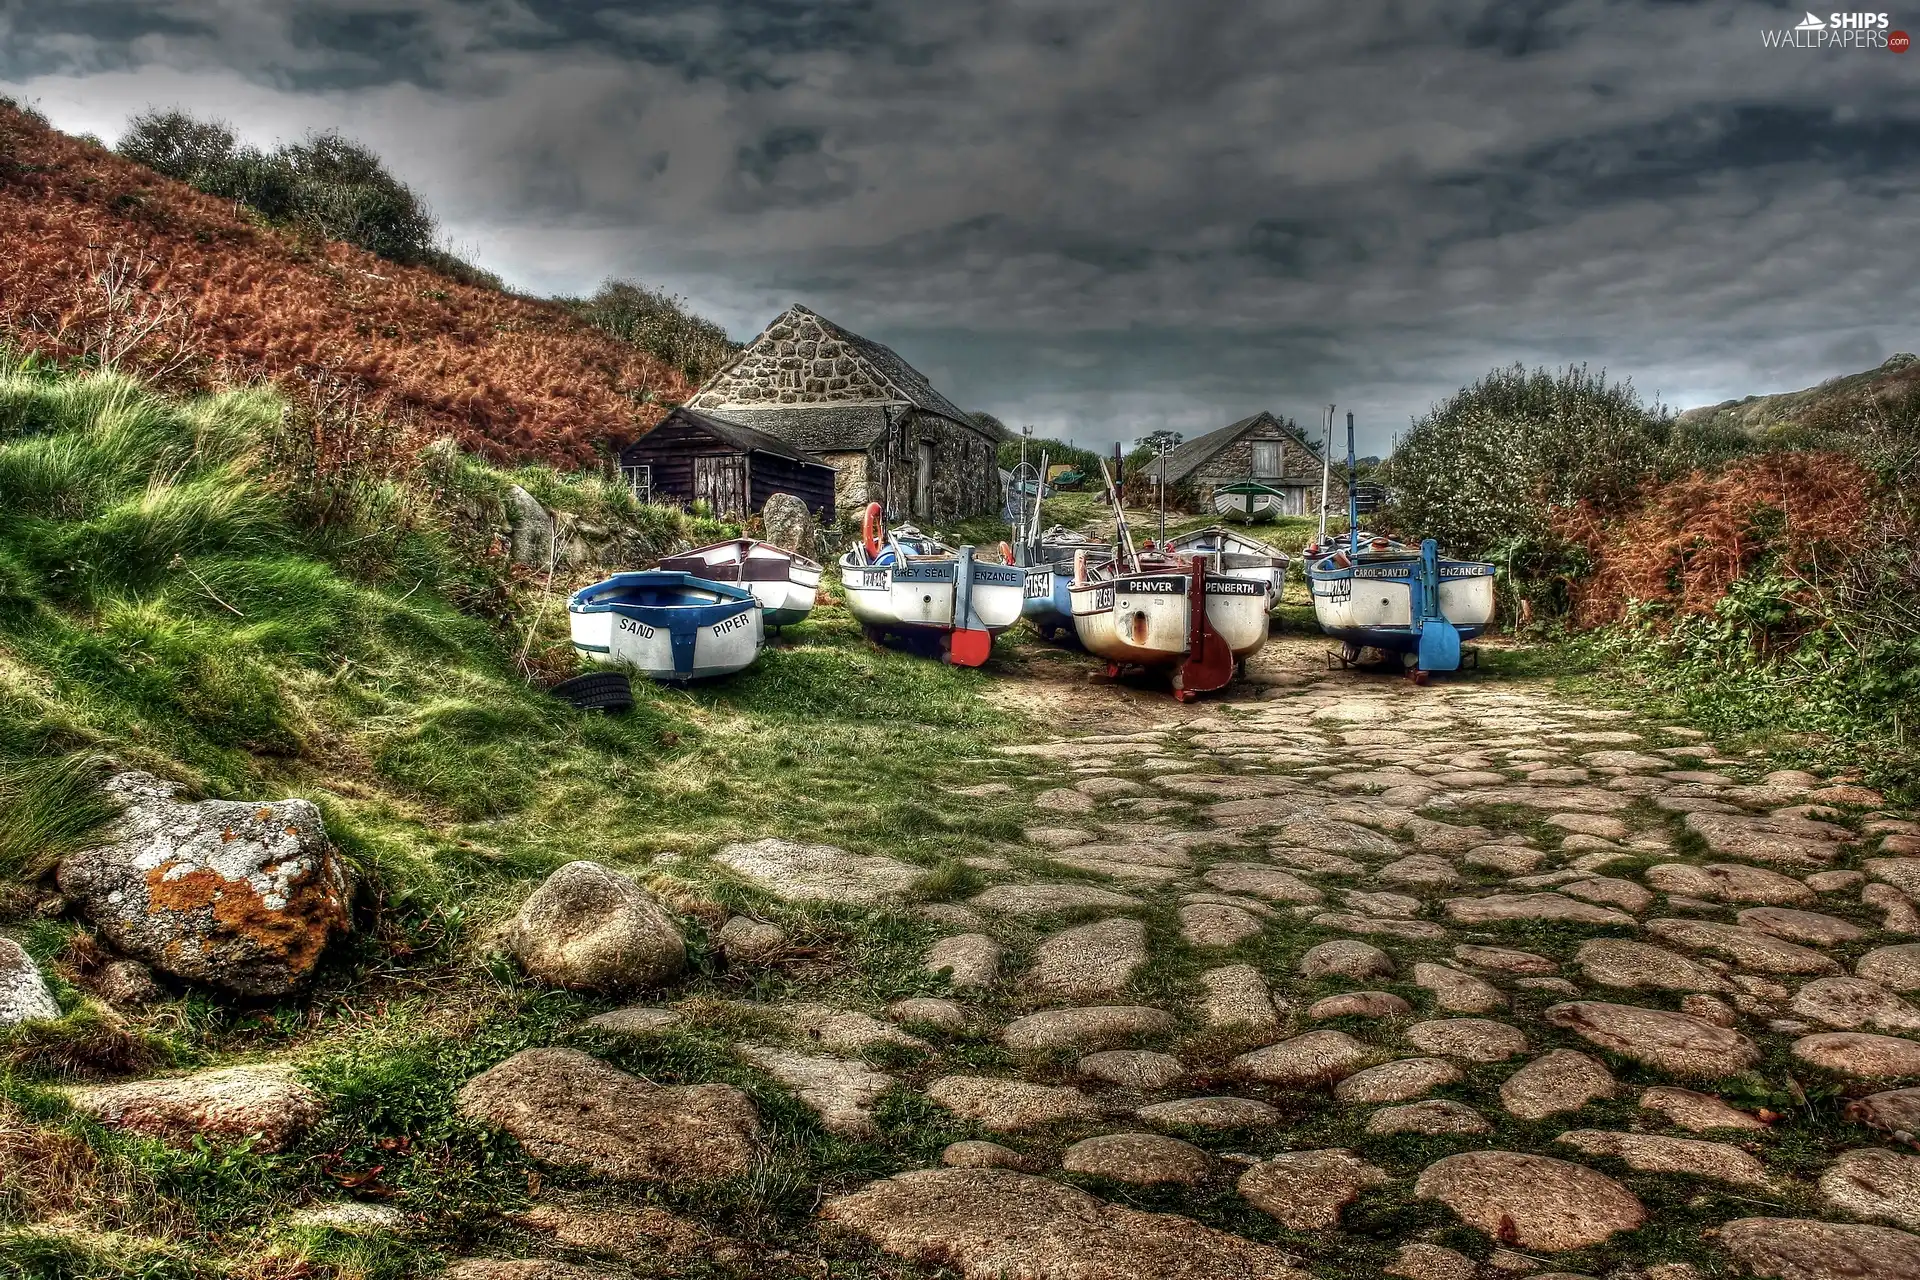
(1813, 407)
(109, 261)
(168, 603)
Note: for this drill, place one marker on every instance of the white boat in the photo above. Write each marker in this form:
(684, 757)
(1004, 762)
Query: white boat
(666, 625)
(1237, 554)
(784, 583)
(1149, 619)
(904, 583)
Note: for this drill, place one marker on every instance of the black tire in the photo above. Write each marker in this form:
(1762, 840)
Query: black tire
(597, 691)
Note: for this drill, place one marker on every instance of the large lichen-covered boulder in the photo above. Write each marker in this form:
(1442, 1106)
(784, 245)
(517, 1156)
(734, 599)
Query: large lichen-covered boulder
(789, 524)
(590, 928)
(240, 894)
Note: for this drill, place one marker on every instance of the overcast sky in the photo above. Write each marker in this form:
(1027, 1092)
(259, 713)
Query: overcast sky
(1106, 216)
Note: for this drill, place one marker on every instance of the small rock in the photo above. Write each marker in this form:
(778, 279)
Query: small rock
(1397, 1081)
(1709, 1009)
(1475, 1039)
(819, 872)
(1896, 968)
(1306, 1190)
(634, 1235)
(1421, 869)
(968, 959)
(1346, 958)
(843, 1031)
(1610, 892)
(1559, 1080)
(1857, 1054)
(1266, 882)
(1531, 906)
(1010, 1106)
(1216, 924)
(1504, 959)
(1430, 1262)
(1063, 800)
(1589, 824)
(1813, 928)
(126, 983)
(1875, 1184)
(264, 1106)
(1050, 899)
(1085, 1029)
(1656, 1153)
(1534, 1201)
(239, 894)
(1354, 922)
(24, 994)
(1237, 996)
(1435, 1116)
(1210, 1113)
(519, 1269)
(943, 1014)
(588, 928)
(1513, 859)
(1803, 1249)
(976, 1153)
(1615, 962)
(1090, 961)
(636, 1020)
(1457, 992)
(839, 1090)
(1132, 1068)
(994, 1223)
(1855, 1002)
(1835, 881)
(350, 1217)
(1673, 1042)
(1318, 1057)
(1892, 1111)
(747, 941)
(1144, 1159)
(1727, 882)
(1360, 1004)
(573, 1111)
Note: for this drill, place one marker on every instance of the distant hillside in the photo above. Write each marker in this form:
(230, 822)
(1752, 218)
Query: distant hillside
(105, 257)
(1815, 407)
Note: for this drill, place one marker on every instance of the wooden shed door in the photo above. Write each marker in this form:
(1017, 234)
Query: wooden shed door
(923, 480)
(721, 482)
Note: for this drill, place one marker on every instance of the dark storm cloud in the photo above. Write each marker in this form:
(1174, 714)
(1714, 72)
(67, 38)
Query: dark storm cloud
(1103, 217)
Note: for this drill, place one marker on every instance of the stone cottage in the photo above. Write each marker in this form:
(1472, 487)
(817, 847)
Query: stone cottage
(859, 407)
(1263, 448)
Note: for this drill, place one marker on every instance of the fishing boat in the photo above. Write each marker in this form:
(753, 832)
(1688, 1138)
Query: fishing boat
(903, 583)
(667, 625)
(1237, 554)
(1049, 564)
(1174, 611)
(784, 583)
(1373, 592)
(1248, 500)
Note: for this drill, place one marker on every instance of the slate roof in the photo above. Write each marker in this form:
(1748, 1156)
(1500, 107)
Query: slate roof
(821, 428)
(1190, 455)
(746, 438)
(911, 383)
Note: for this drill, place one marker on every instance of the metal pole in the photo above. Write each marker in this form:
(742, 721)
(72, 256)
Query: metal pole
(1326, 471)
(1353, 495)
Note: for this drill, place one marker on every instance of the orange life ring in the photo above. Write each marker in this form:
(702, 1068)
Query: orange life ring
(1006, 554)
(871, 529)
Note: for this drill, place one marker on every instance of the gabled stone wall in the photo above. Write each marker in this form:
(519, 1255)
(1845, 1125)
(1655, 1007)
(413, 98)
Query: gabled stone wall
(796, 362)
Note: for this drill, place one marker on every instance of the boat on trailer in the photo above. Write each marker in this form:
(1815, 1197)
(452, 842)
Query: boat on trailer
(667, 625)
(784, 583)
(903, 583)
(1249, 500)
(1372, 592)
(1181, 612)
(1237, 554)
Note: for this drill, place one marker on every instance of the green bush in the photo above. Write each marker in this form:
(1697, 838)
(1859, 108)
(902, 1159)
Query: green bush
(659, 324)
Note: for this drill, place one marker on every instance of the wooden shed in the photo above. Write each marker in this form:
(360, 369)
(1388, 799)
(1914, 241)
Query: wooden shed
(690, 456)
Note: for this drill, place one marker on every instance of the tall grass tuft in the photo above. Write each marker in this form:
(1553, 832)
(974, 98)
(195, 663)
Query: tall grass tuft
(48, 809)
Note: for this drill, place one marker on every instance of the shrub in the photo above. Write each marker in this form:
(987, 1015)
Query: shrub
(660, 324)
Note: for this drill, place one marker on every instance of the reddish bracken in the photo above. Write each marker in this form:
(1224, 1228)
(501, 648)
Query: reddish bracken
(1685, 542)
(509, 377)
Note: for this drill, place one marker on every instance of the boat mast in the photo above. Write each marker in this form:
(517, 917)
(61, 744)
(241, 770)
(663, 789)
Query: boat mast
(1165, 449)
(1326, 471)
(1039, 501)
(1353, 494)
(1120, 531)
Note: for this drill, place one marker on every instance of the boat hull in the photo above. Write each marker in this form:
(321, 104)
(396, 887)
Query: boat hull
(1133, 619)
(921, 597)
(713, 630)
(785, 584)
(1237, 609)
(1375, 605)
(1247, 506)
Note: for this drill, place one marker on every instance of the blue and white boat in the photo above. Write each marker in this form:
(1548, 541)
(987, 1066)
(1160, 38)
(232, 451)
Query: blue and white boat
(1379, 593)
(667, 625)
(1050, 569)
(901, 582)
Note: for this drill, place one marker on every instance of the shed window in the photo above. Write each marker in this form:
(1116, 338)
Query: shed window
(1266, 457)
(640, 480)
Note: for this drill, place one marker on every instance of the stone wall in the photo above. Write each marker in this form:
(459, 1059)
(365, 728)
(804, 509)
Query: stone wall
(849, 481)
(1298, 464)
